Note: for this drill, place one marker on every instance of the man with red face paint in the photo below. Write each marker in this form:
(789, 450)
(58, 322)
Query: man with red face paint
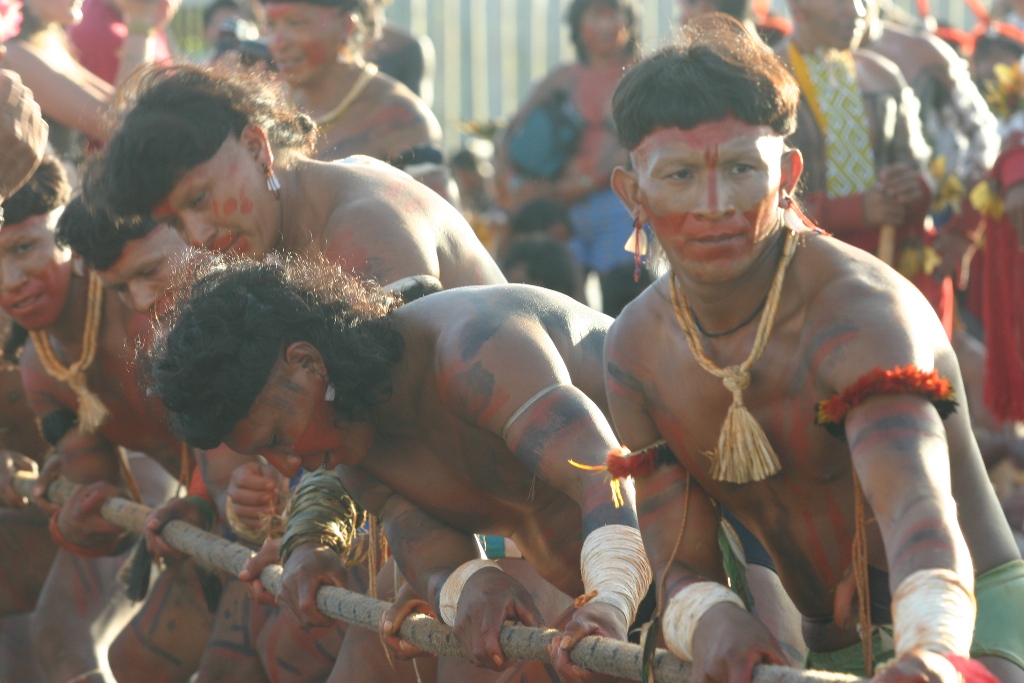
(801, 384)
(222, 158)
(248, 642)
(318, 47)
(860, 134)
(44, 291)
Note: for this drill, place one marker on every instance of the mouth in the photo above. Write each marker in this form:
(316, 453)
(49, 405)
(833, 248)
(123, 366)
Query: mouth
(26, 304)
(289, 63)
(715, 240)
(228, 243)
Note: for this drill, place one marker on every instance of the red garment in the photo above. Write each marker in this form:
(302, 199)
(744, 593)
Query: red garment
(99, 36)
(1004, 292)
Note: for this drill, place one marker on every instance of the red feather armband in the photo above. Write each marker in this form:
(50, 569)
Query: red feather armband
(623, 463)
(831, 413)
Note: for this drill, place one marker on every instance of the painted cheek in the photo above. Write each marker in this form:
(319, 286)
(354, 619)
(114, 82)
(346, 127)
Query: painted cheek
(245, 204)
(230, 206)
(317, 53)
(320, 434)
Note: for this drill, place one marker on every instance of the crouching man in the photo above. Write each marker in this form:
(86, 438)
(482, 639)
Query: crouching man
(800, 383)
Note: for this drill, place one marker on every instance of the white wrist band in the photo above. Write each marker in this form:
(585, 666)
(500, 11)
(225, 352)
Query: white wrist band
(934, 609)
(614, 563)
(452, 588)
(686, 608)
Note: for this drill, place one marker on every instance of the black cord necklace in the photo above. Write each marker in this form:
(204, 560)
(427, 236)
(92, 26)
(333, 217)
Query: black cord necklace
(713, 335)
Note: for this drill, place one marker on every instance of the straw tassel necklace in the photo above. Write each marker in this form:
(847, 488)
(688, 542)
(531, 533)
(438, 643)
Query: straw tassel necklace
(744, 453)
(91, 411)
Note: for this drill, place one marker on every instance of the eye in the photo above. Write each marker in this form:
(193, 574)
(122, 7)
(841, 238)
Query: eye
(198, 199)
(740, 169)
(23, 247)
(150, 272)
(682, 174)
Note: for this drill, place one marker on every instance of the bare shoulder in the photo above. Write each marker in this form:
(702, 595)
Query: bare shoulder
(877, 73)
(884, 320)
(928, 49)
(628, 343)
(396, 108)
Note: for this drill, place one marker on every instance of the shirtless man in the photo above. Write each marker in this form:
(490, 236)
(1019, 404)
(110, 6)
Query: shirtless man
(46, 292)
(248, 642)
(222, 159)
(26, 549)
(454, 415)
(711, 173)
(318, 47)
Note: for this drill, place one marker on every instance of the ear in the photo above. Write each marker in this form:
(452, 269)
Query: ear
(254, 139)
(349, 23)
(302, 355)
(627, 188)
(792, 169)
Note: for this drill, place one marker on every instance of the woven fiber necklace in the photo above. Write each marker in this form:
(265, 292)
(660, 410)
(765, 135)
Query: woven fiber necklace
(744, 453)
(91, 411)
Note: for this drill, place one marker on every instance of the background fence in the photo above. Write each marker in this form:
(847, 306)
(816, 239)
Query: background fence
(489, 52)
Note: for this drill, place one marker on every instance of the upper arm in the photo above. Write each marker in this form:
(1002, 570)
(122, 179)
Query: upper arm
(624, 383)
(78, 100)
(405, 122)
(398, 246)
(897, 441)
(505, 375)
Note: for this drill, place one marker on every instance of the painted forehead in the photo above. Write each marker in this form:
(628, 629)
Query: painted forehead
(726, 134)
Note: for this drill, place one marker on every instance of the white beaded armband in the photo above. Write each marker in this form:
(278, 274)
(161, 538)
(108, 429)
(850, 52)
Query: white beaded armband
(934, 609)
(452, 588)
(614, 565)
(686, 608)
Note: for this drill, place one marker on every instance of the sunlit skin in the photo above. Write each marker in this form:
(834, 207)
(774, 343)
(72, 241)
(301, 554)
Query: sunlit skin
(713, 196)
(305, 38)
(59, 12)
(141, 275)
(34, 273)
(604, 31)
(710, 195)
(838, 24)
(354, 214)
(454, 407)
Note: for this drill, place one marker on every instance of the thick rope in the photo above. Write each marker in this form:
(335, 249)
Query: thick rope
(744, 453)
(602, 655)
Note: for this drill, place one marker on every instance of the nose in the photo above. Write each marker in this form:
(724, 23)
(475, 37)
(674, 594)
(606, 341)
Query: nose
(12, 277)
(198, 233)
(715, 203)
(143, 296)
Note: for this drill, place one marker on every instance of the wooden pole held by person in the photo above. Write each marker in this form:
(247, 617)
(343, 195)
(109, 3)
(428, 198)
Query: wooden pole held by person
(602, 655)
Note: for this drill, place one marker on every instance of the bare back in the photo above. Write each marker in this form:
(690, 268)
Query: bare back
(381, 223)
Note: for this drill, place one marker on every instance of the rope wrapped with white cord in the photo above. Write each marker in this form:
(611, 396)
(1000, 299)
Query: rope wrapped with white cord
(601, 655)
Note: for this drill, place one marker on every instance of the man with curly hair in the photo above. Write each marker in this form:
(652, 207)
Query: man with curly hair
(454, 415)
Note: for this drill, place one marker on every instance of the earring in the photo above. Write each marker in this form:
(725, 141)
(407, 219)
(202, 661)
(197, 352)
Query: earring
(330, 394)
(323, 466)
(639, 244)
(786, 200)
(273, 184)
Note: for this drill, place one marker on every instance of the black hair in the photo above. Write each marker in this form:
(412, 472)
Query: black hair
(574, 17)
(177, 117)
(548, 263)
(46, 190)
(95, 235)
(988, 43)
(717, 69)
(215, 351)
(538, 216)
(244, 10)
